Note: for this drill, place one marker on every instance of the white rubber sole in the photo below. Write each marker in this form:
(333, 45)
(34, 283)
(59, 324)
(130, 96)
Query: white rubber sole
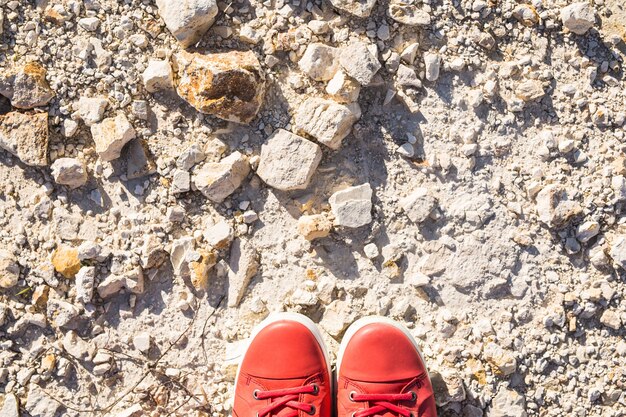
(287, 316)
(362, 322)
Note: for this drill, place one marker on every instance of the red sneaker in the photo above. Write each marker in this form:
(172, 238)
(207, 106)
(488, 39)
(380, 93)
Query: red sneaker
(285, 371)
(380, 372)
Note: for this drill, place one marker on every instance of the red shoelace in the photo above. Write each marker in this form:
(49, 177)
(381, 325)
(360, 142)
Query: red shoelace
(287, 398)
(382, 403)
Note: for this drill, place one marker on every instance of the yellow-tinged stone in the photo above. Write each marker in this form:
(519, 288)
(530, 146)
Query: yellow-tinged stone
(48, 362)
(477, 370)
(229, 85)
(65, 261)
(572, 324)
(502, 360)
(526, 14)
(200, 269)
(26, 86)
(307, 203)
(314, 226)
(40, 296)
(392, 269)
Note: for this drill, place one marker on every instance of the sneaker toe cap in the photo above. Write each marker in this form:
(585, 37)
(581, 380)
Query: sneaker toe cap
(284, 350)
(381, 352)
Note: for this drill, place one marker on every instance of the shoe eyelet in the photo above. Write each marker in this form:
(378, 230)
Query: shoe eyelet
(412, 415)
(312, 410)
(413, 396)
(256, 397)
(351, 397)
(316, 389)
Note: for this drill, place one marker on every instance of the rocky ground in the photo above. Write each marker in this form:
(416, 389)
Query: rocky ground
(171, 173)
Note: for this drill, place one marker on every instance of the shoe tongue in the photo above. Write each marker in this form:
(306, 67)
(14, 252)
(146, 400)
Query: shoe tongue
(382, 387)
(274, 383)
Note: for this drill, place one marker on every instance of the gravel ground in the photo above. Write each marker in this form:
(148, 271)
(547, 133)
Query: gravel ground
(172, 172)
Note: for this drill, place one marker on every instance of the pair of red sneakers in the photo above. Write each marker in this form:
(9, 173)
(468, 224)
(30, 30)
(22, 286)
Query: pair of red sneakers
(286, 372)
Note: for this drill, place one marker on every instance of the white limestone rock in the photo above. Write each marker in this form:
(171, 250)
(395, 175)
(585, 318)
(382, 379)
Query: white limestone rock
(406, 149)
(181, 181)
(578, 17)
(242, 266)
(507, 403)
(432, 63)
(407, 13)
(219, 235)
(61, 313)
(359, 63)
(39, 404)
(142, 342)
(9, 270)
(91, 109)
(553, 206)
(153, 253)
(132, 280)
(337, 317)
(218, 180)
(188, 20)
(178, 255)
(618, 251)
(88, 251)
(25, 135)
(139, 162)
(90, 24)
(618, 184)
(352, 207)
(326, 121)
(111, 135)
(448, 385)
(319, 61)
(417, 279)
(359, 8)
(343, 88)
(288, 161)
(85, 279)
(587, 231)
(611, 318)
(4, 314)
(409, 53)
(502, 359)
(526, 14)
(407, 78)
(371, 251)
(10, 407)
(190, 157)
(529, 90)
(158, 76)
(74, 345)
(418, 205)
(69, 171)
(69, 128)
